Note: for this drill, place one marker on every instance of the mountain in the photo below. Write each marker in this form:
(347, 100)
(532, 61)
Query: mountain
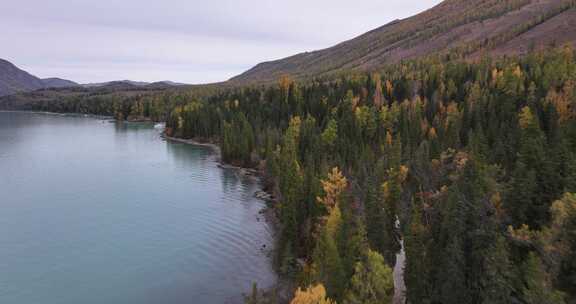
(172, 83)
(115, 82)
(133, 83)
(14, 80)
(466, 28)
(58, 83)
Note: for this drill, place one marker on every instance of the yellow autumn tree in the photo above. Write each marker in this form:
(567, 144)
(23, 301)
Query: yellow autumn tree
(389, 88)
(333, 187)
(561, 103)
(526, 118)
(311, 295)
(432, 134)
(285, 82)
(388, 138)
(327, 261)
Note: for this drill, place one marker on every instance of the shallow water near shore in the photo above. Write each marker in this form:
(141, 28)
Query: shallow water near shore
(97, 212)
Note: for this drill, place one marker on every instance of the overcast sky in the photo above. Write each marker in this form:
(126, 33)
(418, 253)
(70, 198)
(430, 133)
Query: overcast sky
(188, 41)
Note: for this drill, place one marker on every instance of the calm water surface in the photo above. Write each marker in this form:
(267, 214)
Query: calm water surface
(94, 212)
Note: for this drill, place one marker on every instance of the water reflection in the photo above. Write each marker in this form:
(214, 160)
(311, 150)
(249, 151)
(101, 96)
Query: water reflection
(123, 127)
(186, 155)
(96, 208)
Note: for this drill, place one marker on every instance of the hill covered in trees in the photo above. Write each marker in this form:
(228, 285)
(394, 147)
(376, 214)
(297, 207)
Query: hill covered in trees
(121, 100)
(476, 160)
(455, 28)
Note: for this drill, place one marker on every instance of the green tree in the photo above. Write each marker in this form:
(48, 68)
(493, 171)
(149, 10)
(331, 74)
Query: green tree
(537, 287)
(372, 282)
(330, 134)
(495, 278)
(416, 271)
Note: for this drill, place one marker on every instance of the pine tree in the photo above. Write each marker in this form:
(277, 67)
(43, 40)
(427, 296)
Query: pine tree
(416, 271)
(521, 194)
(372, 282)
(528, 199)
(378, 223)
(327, 260)
(537, 288)
(330, 134)
(495, 278)
(452, 280)
(290, 185)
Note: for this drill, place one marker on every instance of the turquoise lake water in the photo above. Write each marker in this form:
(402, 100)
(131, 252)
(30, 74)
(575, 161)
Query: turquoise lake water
(95, 212)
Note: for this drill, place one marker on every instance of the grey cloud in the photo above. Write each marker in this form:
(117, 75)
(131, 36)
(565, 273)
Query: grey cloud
(187, 41)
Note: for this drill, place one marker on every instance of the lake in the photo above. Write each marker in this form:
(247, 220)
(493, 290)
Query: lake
(98, 212)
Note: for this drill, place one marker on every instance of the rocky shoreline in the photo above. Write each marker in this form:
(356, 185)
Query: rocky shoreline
(268, 212)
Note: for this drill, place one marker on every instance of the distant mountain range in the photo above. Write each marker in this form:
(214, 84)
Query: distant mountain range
(14, 80)
(465, 28)
(134, 83)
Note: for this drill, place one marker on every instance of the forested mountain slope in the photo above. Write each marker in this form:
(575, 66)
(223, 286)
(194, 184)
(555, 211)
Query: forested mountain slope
(456, 27)
(476, 159)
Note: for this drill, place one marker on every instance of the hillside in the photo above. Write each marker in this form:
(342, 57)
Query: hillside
(58, 83)
(467, 28)
(13, 79)
(36, 99)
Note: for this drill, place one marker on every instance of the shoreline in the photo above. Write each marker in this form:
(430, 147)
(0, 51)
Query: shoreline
(268, 212)
(84, 115)
(223, 165)
(60, 114)
(214, 147)
(262, 194)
